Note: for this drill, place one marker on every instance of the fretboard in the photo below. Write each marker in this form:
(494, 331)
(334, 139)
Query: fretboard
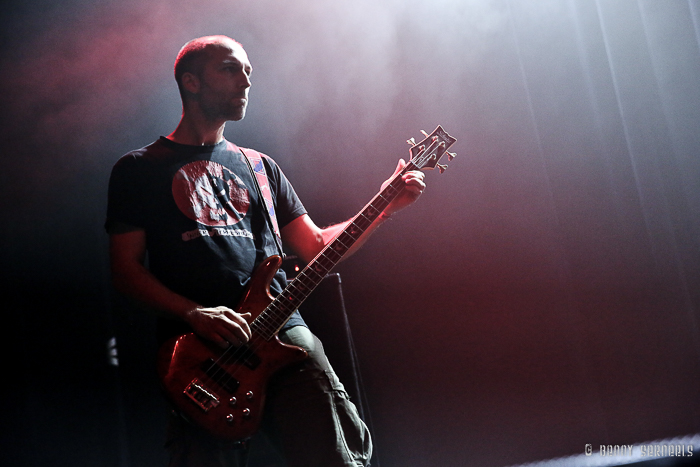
(271, 320)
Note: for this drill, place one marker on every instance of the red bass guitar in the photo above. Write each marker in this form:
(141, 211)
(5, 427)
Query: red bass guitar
(223, 391)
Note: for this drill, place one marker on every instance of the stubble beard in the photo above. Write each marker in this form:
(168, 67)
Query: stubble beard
(225, 110)
(236, 113)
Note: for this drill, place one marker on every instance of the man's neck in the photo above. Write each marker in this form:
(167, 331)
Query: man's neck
(197, 132)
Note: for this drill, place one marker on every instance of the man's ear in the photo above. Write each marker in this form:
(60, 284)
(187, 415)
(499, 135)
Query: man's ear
(190, 83)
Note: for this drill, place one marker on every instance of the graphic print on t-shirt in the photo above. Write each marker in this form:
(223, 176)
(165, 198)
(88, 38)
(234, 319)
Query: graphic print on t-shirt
(209, 193)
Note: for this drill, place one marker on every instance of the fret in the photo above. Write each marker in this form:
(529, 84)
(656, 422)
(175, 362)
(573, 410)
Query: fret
(362, 222)
(262, 325)
(306, 273)
(305, 277)
(301, 288)
(346, 240)
(318, 269)
(354, 230)
(294, 295)
(258, 325)
(371, 211)
(371, 216)
(325, 261)
(275, 309)
(291, 301)
(331, 255)
(386, 200)
(339, 247)
(273, 318)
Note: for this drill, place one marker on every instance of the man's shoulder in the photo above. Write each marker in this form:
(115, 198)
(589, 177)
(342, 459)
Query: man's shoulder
(148, 154)
(250, 152)
(151, 150)
(270, 165)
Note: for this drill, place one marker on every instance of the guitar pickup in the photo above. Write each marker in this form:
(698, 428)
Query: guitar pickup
(247, 357)
(201, 396)
(221, 376)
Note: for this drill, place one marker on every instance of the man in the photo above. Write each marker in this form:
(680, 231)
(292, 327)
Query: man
(189, 201)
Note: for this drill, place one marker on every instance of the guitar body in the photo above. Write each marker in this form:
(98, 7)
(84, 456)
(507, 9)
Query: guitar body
(223, 391)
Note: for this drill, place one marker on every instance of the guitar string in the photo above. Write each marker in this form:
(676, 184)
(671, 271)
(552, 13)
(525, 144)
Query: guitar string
(270, 323)
(262, 320)
(267, 323)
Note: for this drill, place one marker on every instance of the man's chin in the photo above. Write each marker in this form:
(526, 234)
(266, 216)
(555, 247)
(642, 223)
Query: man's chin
(236, 116)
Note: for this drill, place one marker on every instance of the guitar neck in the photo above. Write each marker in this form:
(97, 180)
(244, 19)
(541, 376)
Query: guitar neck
(270, 321)
(424, 155)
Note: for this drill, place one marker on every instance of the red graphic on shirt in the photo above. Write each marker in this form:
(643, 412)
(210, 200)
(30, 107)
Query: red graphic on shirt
(210, 194)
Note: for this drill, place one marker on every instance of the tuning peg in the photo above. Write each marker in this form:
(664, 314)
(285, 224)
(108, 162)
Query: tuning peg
(411, 142)
(441, 167)
(451, 155)
(424, 133)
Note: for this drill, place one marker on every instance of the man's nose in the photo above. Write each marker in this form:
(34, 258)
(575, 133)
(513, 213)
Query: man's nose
(245, 81)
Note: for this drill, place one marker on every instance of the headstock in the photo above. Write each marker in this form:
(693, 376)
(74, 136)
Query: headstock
(427, 153)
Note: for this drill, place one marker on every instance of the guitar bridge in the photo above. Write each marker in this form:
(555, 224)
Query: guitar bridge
(201, 396)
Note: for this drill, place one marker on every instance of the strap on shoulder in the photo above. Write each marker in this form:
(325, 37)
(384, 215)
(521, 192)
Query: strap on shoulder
(262, 184)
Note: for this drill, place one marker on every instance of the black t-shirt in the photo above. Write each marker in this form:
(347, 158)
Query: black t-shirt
(205, 224)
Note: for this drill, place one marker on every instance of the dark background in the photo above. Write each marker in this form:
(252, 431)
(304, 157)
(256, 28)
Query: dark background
(542, 294)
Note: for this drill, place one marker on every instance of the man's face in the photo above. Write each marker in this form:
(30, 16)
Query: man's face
(224, 83)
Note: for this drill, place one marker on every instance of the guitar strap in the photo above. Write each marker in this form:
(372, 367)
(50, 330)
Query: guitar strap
(262, 185)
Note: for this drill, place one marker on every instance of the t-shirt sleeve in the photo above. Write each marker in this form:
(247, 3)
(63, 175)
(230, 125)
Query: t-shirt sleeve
(125, 204)
(288, 206)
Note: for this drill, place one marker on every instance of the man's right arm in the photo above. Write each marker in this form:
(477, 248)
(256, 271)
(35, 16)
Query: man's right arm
(127, 252)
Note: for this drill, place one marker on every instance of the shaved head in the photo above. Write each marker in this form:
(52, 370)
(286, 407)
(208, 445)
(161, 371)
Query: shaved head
(194, 55)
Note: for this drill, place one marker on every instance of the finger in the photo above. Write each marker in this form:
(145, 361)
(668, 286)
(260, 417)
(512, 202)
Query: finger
(414, 189)
(221, 325)
(418, 174)
(242, 321)
(236, 334)
(245, 326)
(415, 184)
(399, 166)
(230, 337)
(235, 329)
(414, 181)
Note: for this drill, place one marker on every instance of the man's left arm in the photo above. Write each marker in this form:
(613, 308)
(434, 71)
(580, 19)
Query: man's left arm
(306, 239)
